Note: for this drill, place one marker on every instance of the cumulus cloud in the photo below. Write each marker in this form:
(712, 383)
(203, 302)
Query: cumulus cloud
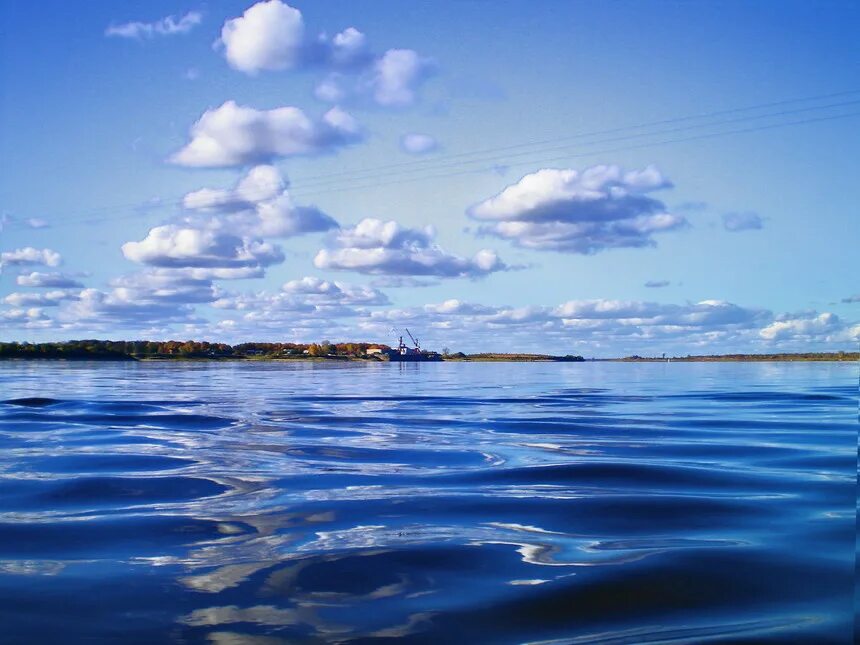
(258, 205)
(580, 326)
(234, 135)
(617, 327)
(271, 36)
(99, 310)
(349, 48)
(657, 284)
(331, 89)
(386, 248)
(180, 286)
(172, 246)
(302, 306)
(47, 280)
(306, 296)
(32, 317)
(704, 313)
(268, 36)
(146, 302)
(28, 256)
(326, 292)
(808, 327)
(168, 26)
(418, 144)
(397, 75)
(746, 221)
(455, 307)
(46, 299)
(392, 80)
(600, 208)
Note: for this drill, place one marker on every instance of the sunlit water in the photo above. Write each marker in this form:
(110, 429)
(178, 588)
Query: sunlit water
(439, 503)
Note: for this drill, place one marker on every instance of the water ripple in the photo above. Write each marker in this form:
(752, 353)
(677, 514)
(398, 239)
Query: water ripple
(560, 503)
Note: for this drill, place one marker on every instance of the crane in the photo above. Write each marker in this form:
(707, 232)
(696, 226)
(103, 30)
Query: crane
(414, 340)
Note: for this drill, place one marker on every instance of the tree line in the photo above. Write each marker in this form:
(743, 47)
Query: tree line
(132, 349)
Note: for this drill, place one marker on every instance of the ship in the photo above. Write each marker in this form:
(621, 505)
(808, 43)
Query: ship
(404, 353)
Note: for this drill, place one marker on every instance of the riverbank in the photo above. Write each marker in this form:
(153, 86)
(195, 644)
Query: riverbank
(106, 350)
(736, 358)
(465, 358)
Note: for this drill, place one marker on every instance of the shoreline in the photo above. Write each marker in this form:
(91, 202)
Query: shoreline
(847, 358)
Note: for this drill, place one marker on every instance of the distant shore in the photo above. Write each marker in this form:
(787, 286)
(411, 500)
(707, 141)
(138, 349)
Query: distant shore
(752, 358)
(102, 350)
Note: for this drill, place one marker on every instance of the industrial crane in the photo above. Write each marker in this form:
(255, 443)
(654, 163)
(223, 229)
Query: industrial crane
(414, 340)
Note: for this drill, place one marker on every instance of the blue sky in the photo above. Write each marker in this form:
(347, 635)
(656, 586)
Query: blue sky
(469, 169)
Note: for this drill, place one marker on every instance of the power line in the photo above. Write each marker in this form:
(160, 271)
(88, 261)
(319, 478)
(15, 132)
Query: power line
(300, 186)
(597, 152)
(437, 163)
(580, 135)
(589, 134)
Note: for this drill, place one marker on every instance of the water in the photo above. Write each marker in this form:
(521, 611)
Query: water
(478, 503)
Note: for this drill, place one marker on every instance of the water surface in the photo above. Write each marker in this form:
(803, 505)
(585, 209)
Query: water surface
(442, 502)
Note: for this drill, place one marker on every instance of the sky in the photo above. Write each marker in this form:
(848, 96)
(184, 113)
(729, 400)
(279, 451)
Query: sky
(589, 178)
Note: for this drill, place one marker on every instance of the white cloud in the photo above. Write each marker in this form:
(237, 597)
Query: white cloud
(47, 280)
(331, 89)
(27, 318)
(458, 307)
(851, 299)
(810, 327)
(702, 314)
(165, 285)
(98, 310)
(591, 324)
(268, 36)
(168, 26)
(600, 208)
(617, 328)
(271, 36)
(308, 308)
(418, 144)
(234, 135)
(387, 248)
(746, 221)
(44, 299)
(148, 302)
(325, 291)
(30, 256)
(397, 76)
(349, 47)
(657, 284)
(172, 246)
(258, 206)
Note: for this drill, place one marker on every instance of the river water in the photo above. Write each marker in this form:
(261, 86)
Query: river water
(441, 502)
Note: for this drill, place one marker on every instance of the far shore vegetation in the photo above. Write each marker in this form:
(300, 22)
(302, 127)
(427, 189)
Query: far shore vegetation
(143, 350)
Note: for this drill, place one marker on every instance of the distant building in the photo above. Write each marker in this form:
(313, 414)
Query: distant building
(371, 351)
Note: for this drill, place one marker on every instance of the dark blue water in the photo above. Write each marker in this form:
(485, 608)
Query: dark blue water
(461, 503)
